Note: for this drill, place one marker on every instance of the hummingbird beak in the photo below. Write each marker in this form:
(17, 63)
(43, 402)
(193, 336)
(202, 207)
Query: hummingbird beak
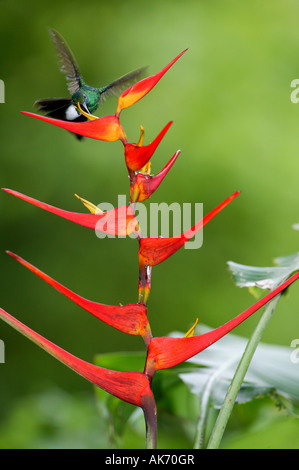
(82, 108)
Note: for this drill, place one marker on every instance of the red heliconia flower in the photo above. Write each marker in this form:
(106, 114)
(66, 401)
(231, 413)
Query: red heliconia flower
(144, 185)
(130, 318)
(107, 128)
(118, 222)
(131, 387)
(154, 250)
(137, 155)
(141, 88)
(165, 352)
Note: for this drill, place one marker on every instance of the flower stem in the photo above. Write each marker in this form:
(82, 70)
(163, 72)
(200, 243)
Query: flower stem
(150, 416)
(240, 373)
(205, 405)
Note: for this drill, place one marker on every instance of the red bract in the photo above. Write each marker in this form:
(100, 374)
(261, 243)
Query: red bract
(141, 88)
(137, 156)
(131, 387)
(106, 128)
(118, 222)
(154, 250)
(145, 185)
(130, 318)
(162, 352)
(166, 352)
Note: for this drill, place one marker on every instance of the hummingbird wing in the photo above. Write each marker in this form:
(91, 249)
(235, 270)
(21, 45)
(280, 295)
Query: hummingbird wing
(53, 107)
(68, 64)
(119, 85)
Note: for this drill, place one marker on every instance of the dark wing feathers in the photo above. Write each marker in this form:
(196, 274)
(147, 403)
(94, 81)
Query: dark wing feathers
(68, 64)
(70, 68)
(117, 86)
(54, 107)
(57, 109)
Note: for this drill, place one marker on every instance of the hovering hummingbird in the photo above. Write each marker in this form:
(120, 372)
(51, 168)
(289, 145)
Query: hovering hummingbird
(82, 95)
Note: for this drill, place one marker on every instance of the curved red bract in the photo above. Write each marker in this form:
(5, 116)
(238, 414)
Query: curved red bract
(137, 156)
(120, 221)
(145, 185)
(130, 318)
(165, 352)
(141, 88)
(106, 128)
(155, 250)
(132, 387)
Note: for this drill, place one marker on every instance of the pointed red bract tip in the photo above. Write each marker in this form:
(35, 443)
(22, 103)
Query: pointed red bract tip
(106, 128)
(137, 156)
(165, 352)
(130, 319)
(145, 185)
(154, 250)
(131, 387)
(141, 88)
(120, 221)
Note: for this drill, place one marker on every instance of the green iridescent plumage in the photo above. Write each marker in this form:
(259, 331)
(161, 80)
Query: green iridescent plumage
(89, 98)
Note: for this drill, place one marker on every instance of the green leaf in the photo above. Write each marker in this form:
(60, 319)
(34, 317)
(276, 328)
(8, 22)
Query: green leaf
(271, 372)
(264, 277)
(177, 407)
(117, 415)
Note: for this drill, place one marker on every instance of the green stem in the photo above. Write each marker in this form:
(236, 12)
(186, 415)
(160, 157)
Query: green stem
(240, 373)
(199, 441)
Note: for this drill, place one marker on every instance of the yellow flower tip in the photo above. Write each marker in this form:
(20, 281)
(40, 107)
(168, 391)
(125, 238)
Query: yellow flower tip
(140, 296)
(134, 194)
(146, 294)
(137, 228)
(91, 207)
(143, 295)
(190, 332)
(146, 170)
(141, 138)
(88, 116)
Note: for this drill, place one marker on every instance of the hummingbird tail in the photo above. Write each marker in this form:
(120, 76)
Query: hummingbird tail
(60, 108)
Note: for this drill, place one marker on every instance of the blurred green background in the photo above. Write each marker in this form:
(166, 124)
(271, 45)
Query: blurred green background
(229, 98)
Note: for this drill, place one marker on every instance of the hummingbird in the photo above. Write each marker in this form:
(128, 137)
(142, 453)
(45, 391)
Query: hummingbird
(83, 97)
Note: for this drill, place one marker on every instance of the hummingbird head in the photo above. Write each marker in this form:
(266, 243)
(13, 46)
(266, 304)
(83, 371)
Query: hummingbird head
(82, 98)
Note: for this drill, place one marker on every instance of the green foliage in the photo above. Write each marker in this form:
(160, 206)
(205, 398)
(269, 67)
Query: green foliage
(267, 277)
(271, 372)
(235, 85)
(199, 386)
(53, 420)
